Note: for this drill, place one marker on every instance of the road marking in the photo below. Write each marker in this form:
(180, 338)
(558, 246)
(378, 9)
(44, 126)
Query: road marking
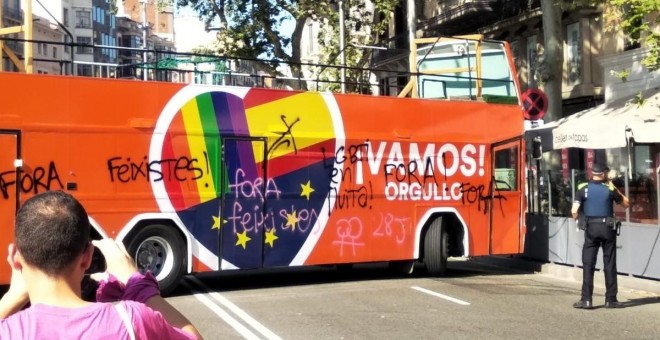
(442, 296)
(242, 330)
(237, 311)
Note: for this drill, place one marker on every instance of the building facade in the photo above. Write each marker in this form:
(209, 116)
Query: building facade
(11, 16)
(48, 58)
(159, 15)
(104, 28)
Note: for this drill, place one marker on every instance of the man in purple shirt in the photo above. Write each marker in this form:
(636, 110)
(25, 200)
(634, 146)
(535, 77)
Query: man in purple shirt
(48, 261)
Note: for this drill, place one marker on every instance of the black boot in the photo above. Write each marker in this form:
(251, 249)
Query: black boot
(613, 304)
(583, 304)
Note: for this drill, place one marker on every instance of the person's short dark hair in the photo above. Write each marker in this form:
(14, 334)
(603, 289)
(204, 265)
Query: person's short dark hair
(598, 168)
(52, 230)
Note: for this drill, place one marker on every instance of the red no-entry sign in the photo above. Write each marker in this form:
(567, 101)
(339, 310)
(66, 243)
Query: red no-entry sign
(535, 103)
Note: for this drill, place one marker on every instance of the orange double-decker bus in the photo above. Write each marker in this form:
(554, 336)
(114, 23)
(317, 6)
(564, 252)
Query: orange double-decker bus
(198, 178)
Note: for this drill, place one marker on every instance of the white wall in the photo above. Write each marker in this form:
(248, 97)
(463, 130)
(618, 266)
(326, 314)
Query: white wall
(640, 78)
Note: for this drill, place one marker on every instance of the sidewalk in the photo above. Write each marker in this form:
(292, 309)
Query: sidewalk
(573, 273)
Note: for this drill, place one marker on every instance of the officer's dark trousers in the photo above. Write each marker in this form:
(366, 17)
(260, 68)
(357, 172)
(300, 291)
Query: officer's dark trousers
(595, 236)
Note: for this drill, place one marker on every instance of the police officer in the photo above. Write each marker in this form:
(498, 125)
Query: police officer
(596, 199)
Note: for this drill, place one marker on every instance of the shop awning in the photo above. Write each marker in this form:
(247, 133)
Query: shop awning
(606, 126)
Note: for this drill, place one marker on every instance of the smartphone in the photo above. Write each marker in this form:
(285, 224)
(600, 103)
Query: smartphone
(88, 285)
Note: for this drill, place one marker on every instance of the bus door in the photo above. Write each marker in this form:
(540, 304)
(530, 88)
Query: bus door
(242, 206)
(10, 165)
(506, 198)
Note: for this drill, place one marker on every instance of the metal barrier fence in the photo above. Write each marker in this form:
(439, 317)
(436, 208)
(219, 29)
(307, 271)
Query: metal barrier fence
(556, 194)
(553, 236)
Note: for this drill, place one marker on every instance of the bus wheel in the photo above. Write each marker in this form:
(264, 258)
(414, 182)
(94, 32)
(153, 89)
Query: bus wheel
(435, 248)
(159, 249)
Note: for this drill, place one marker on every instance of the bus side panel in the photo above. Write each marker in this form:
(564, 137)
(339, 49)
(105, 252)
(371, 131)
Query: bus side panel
(338, 180)
(407, 153)
(92, 136)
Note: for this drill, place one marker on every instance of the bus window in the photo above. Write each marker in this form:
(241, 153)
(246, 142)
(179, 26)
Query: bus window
(506, 169)
(456, 65)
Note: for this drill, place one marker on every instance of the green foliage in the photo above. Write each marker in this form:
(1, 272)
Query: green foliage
(639, 99)
(363, 25)
(623, 74)
(637, 19)
(246, 28)
(496, 99)
(161, 5)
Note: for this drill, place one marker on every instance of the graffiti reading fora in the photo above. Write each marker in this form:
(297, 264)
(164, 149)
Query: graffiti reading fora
(248, 212)
(179, 169)
(245, 188)
(484, 198)
(38, 180)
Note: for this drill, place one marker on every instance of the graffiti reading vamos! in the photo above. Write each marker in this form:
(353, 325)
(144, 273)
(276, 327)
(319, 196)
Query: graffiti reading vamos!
(38, 180)
(423, 173)
(427, 175)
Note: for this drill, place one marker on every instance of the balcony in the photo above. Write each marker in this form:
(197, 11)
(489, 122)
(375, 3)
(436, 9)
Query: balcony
(466, 16)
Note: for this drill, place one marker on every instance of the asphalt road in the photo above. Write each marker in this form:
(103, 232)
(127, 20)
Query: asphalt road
(474, 301)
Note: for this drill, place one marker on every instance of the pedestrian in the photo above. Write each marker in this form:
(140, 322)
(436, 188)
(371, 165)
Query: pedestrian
(595, 200)
(51, 253)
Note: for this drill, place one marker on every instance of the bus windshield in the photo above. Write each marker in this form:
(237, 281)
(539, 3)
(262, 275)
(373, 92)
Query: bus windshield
(468, 69)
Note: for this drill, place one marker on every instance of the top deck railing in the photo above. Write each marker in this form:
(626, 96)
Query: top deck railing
(171, 66)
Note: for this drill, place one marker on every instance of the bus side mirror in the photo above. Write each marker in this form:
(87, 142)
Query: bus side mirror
(537, 150)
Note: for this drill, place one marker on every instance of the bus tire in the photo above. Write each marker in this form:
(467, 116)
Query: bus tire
(435, 248)
(161, 250)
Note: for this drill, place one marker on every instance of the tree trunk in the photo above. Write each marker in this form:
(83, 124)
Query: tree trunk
(551, 67)
(296, 38)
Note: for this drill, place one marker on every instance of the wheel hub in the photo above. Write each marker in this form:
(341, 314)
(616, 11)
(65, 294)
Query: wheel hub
(150, 256)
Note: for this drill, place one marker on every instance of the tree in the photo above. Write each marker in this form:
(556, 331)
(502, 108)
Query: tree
(252, 29)
(365, 21)
(637, 19)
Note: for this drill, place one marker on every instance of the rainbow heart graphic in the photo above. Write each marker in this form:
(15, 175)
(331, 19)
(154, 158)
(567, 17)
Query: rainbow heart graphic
(248, 172)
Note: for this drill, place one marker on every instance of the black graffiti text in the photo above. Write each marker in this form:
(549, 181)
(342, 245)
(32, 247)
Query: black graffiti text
(483, 197)
(179, 169)
(286, 138)
(354, 194)
(358, 197)
(38, 180)
(400, 172)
